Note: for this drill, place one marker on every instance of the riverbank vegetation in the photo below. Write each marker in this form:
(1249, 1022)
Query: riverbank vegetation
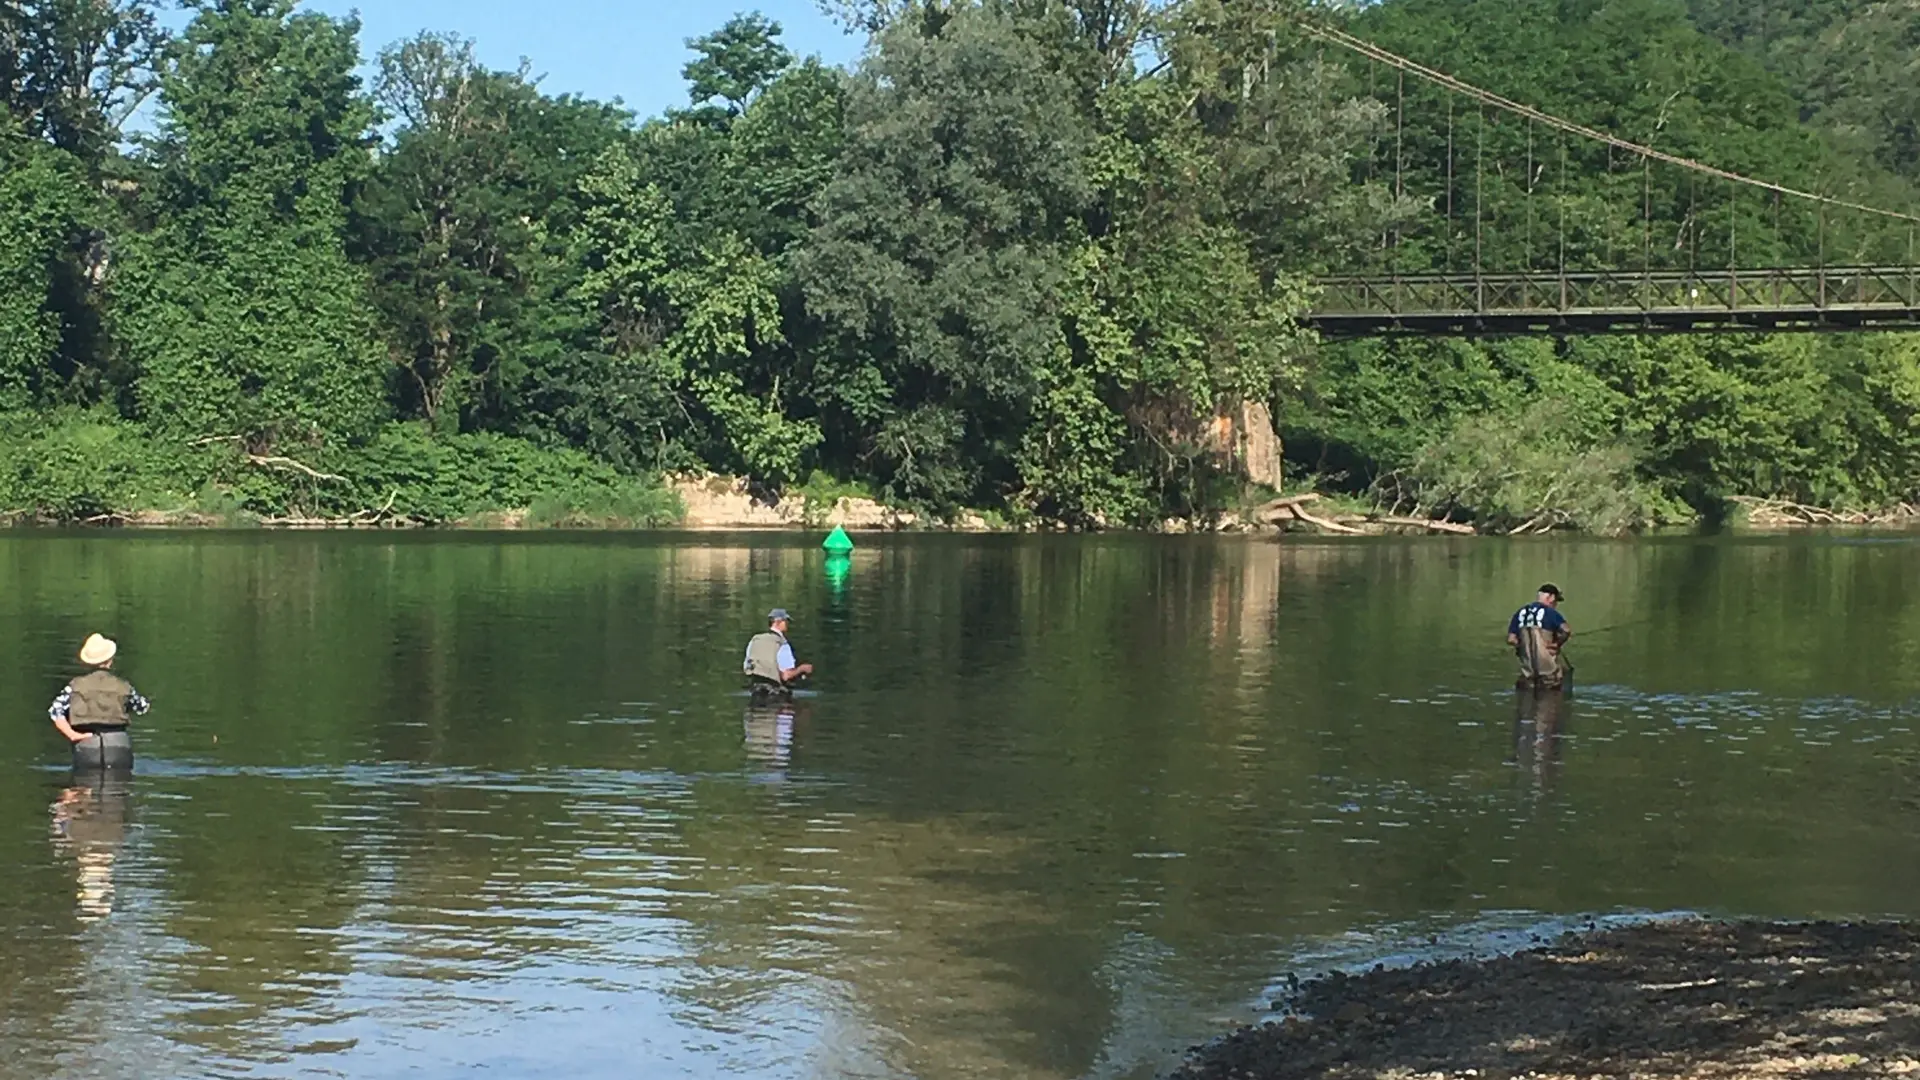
(1041, 258)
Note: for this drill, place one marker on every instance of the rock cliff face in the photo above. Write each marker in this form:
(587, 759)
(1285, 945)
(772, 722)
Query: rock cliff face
(1256, 447)
(1242, 439)
(726, 502)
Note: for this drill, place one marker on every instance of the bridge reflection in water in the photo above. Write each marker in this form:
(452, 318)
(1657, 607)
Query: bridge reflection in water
(1465, 304)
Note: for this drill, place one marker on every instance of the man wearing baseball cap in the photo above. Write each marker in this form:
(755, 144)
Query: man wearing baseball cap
(769, 665)
(93, 710)
(1537, 633)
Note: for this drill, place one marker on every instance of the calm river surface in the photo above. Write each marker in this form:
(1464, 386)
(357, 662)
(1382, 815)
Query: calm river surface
(1061, 806)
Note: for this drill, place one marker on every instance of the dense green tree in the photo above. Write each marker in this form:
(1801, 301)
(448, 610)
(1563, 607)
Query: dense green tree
(1852, 65)
(42, 204)
(736, 62)
(72, 71)
(944, 248)
(240, 307)
(465, 224)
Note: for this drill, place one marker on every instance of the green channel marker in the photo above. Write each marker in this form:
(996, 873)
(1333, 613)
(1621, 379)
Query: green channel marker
(838, 541)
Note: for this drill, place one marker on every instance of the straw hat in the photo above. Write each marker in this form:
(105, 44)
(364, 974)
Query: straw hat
(98, 651)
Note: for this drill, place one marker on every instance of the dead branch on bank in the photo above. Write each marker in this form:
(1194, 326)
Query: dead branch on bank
(1774, 512)
(1435, 524)
(287, 464)
(1291, 508)
(360, 519)
(268, 461)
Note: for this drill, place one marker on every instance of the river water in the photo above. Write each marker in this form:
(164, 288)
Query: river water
(1058, 808)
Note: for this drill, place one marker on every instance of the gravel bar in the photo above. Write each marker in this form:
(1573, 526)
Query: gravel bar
(1675, 999)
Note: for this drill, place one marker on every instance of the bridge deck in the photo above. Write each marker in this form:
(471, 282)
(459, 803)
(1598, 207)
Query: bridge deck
(1616, 302)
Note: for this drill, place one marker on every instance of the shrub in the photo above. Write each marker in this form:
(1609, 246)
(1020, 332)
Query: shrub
(444, 478)
(1514, 472)
(71, 465)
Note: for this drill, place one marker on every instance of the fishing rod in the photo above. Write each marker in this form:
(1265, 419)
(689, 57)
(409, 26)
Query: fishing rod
(1612, 628)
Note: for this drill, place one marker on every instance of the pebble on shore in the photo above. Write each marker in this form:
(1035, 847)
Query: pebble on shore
(1687, 999)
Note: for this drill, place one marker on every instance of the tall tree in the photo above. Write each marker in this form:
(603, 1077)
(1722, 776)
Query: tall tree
(736, 62)
(944, 245)
(239, 307)
(43, 204)
(466, 219)
(72, 71)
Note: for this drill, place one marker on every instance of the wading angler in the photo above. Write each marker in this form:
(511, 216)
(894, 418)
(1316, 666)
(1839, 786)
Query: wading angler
(92, 712)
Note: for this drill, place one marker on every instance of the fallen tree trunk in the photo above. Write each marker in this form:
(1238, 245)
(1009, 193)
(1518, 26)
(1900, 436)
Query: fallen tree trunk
(1325, 524)
(1452, 527)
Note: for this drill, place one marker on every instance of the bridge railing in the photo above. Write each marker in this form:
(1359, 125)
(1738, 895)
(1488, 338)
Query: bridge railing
(1778, 297)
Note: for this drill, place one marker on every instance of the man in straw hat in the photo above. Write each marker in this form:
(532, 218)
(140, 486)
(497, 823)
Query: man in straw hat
(769, 664)
(93, 710)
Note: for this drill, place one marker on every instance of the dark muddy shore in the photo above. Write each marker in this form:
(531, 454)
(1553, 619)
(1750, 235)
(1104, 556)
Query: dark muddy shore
(1677, 999)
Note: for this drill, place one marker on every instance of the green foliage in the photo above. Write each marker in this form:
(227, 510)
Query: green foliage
(1824, 420)
(942, 249)
(41, 206)
(240, 307)
(1850, 63)
(466, 224)
(71, 71)
(1520, 472)
(1006, 261)
(736, 61)
(70, 465)
(449, 478)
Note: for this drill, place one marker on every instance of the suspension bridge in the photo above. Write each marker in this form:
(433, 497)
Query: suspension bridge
(1493, 237)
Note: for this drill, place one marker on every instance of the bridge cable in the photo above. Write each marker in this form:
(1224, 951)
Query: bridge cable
(1450, 101)
(1528, 195)
(1562, 200)
(1606, 234)
(1646, 216)
(1487, 97)
(1399, 159)
(1479, 147)
(1690, 227)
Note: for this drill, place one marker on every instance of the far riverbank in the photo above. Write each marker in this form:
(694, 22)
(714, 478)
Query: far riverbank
(717, 502)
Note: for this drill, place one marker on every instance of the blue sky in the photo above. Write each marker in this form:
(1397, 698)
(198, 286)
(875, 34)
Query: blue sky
(629, 49)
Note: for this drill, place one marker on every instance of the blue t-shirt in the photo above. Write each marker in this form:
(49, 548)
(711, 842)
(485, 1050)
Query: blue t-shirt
(1536, 615)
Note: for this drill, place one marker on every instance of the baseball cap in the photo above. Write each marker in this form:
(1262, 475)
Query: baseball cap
(1553, 591)
(778, 614)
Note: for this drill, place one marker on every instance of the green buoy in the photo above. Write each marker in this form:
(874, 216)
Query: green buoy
(837, 541)
(838, 567)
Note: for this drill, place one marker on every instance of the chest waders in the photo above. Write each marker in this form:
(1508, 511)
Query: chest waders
(1541, 665)
(98, 708)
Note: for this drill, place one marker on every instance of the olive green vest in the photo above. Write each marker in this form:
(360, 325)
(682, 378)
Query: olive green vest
(99, 699)
(763, 656)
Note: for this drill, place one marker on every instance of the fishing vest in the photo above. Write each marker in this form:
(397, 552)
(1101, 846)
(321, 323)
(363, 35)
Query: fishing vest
(99, 699)
(763, 656)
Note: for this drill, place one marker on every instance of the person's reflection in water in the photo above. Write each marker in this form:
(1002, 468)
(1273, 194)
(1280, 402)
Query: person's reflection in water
(90, 824)
(769, 732)
(1539, 720)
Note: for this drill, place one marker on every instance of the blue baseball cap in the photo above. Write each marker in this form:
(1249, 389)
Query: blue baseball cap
(778, 614)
